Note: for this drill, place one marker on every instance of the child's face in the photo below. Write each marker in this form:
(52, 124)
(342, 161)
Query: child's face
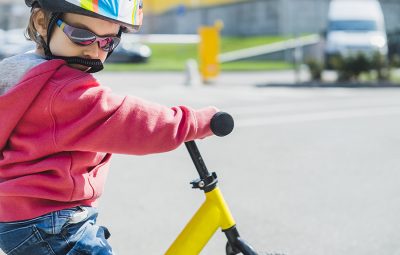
(61, 45)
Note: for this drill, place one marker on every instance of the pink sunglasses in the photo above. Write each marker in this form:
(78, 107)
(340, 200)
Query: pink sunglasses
(85, 37)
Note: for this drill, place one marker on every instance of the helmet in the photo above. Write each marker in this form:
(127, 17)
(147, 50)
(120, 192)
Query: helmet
(127, 13)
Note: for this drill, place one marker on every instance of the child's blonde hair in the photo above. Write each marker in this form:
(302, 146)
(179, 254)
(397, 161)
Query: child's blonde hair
(31, 33)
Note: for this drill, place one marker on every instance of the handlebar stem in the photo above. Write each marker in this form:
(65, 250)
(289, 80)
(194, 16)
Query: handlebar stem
(197, 159)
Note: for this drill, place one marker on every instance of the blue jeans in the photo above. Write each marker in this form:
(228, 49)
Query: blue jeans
(71, 231)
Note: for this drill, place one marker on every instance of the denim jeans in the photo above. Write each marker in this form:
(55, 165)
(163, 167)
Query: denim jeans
(71, 231)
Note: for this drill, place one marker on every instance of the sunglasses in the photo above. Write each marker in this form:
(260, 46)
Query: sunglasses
(83, 37)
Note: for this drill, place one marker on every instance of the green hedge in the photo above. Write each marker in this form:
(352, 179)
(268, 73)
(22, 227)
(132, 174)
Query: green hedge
(173, 57)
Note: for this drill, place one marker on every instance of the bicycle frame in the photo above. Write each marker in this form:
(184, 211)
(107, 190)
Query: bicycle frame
(213, 214)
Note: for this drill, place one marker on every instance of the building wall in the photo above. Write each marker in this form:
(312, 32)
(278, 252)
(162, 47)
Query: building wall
(241, 18)
(157, 6)
(246, 18)
(258, 17)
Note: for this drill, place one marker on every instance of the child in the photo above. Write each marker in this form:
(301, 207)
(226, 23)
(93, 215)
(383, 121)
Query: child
(59, 127)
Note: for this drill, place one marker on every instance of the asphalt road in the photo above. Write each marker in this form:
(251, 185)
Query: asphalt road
(306, 171)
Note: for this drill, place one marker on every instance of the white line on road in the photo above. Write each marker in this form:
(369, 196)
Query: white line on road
(316, 116)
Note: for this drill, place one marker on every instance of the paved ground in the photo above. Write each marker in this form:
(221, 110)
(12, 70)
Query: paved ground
(306, 171)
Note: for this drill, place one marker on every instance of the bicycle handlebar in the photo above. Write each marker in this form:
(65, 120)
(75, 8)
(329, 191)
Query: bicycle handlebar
(222, 124)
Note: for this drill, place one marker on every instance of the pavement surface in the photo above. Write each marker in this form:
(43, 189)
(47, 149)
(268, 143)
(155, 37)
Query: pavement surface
(306, 170)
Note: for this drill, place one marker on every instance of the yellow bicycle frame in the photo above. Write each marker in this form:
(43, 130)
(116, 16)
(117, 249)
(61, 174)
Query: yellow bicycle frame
(214, 213)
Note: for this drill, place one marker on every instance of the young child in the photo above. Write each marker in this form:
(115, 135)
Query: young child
(59, 127)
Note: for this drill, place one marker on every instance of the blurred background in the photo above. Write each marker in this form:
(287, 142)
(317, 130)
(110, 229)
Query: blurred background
(252, 35)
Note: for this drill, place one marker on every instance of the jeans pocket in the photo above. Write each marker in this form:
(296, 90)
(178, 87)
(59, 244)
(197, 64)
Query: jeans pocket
(23, 240)
(55, 223)
(92, 241)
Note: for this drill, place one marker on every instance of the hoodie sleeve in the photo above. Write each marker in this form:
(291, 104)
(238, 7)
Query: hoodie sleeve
(89, 117)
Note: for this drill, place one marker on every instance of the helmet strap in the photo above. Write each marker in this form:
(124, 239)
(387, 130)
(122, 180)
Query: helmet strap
(95, 64)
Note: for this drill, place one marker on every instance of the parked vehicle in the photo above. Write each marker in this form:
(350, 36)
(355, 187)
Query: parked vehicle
(355, 26)
(130, 52)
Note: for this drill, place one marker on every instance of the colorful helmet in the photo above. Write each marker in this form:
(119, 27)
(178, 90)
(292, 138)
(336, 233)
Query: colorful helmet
(127, 13)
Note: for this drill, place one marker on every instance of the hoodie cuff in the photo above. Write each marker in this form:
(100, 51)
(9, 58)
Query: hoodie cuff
(203, 117)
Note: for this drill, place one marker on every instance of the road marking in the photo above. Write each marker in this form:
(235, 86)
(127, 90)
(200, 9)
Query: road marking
(325, 104)
(317, 116)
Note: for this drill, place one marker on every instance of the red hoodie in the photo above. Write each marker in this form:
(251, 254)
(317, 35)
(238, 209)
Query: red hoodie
(58, 128)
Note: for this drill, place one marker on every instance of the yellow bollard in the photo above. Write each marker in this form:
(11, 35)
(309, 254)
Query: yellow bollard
(209, 49)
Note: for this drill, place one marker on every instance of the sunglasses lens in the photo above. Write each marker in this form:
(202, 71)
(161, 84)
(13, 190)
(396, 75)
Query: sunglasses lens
(109, 44)
(82, 37)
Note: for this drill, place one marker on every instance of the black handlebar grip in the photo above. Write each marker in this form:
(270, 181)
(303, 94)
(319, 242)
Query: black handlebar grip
(222, 124)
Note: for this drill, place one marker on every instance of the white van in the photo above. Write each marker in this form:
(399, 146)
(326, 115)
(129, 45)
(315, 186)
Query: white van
(355, 26)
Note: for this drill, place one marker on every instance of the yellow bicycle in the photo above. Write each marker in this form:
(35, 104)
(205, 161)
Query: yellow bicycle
(214, 212)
